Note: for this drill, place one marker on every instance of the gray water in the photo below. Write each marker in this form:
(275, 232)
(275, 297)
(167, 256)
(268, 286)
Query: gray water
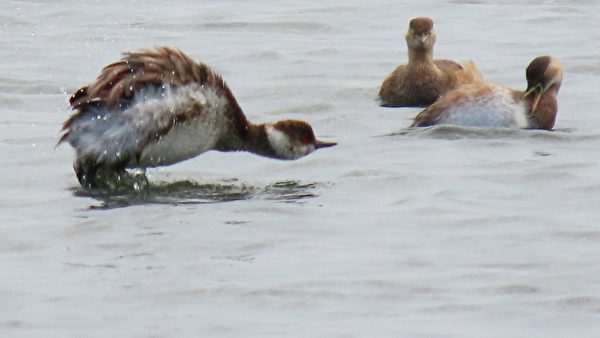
(441, 232)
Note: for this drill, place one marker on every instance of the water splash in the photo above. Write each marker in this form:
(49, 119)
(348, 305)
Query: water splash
(188, 192)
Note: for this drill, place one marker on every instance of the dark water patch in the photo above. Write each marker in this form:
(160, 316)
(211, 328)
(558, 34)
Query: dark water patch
(236, 222)
(238, 258)
(579, 303)
(194, 193)
(134, 255)
(452, 308)
(513, 289)
(578, 235)
(84, 265)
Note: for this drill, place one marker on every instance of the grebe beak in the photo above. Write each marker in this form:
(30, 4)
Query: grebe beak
(538, 95)
(321, 144)
(536, 101)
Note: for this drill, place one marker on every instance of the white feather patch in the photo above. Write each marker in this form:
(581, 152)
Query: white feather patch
(498, 109)
(284, 147)
(116, 136)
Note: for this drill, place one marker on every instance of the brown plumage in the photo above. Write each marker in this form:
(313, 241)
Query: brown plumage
(423, 80)
(158, 107)
(488, 105)
(162, 66)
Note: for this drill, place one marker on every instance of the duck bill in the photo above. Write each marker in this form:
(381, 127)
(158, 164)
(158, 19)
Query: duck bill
(321, 144)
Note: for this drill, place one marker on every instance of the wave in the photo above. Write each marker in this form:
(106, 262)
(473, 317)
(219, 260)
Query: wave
(188, 192)
(451, 132)
(18, 86)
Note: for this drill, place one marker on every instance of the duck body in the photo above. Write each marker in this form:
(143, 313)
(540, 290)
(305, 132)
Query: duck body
(478, 106)
(423, 80)
(159, 107)
(132, 134)
(488, 105)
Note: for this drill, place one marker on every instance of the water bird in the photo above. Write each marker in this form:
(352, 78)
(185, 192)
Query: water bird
(423, 80)
(489, 105)
(157, 107)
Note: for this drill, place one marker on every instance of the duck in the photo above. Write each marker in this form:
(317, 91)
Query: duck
(423, 80)
(157, 107)
(490, 105)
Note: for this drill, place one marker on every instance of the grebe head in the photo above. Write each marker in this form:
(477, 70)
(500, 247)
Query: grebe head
(543, 73)
(420, 34)
(292, 139)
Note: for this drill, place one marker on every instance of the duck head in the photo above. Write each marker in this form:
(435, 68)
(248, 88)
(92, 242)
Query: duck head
(292, 139)
(420, 34)
(544, 73)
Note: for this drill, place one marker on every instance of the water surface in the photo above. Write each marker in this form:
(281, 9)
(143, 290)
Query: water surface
(439, 232)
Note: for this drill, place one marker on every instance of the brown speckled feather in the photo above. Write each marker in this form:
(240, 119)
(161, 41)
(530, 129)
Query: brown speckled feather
(423, 80)
(118, 82)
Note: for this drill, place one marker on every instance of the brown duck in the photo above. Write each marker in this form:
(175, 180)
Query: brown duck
(423, 80)
(158, 107)
(488, 105)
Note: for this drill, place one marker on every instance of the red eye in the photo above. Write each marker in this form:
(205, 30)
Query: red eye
(305, 140)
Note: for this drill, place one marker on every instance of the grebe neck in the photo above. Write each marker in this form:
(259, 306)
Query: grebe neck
(252, 138)
(420, 56)
(544, 115)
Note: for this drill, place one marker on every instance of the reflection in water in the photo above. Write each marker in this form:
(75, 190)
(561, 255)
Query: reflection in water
(189, 192)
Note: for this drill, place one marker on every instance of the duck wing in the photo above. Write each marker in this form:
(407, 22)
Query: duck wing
(140, 98)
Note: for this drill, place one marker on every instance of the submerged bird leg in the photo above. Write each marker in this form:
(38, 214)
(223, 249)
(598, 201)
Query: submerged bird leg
(86, 175)
(94, 176)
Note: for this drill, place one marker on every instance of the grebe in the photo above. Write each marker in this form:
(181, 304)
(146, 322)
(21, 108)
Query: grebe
(487, 105)
(159, 107)
(423, 80)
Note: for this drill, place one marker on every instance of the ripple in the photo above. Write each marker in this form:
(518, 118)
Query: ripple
(593, 69)
(265, 56)
(17, 86)
(579, 303)
(521, 2)
(322, 10)
(451, 132)
(281, 26)
(190, 193)
(516, 289)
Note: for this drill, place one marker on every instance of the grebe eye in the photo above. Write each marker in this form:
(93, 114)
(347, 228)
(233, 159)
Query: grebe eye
(304, 141)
